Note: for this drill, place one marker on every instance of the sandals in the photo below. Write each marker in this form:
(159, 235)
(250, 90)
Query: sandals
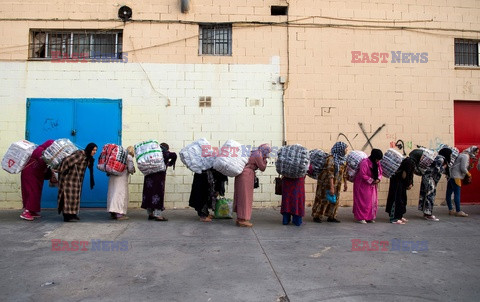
(404, 219)
(206, 219)
(244, 223)
(399, 221)
(157, 218)
(431, 218)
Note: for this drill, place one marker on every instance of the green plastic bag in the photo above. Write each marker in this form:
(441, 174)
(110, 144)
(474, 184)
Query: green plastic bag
(224, 208)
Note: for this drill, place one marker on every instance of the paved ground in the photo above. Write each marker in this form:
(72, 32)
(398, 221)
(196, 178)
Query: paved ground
(187, 260)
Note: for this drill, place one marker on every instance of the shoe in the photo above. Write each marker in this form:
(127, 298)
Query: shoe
(404, 219)
(160, 218)
(461, 214)
(431, 218)
(399, 221)
(362, 221)
(69, 218)
(205, 219)
(26, 215)
(151, 217)
(451, 212)
(329, 219)
(317, 220)
(244, 223)
(75, 217)
(370, 221)
(123, 217)
(35, 214)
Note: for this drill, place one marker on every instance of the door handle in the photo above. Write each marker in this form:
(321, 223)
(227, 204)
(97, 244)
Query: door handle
(74, 132)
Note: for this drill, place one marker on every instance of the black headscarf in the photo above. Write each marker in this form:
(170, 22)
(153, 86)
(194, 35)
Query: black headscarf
(168, 157)
(90, 161)
(447, 153)
(375, 155)
(408, 166)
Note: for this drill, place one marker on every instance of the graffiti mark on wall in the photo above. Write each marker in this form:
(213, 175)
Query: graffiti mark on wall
(50, 124)
(367, 137)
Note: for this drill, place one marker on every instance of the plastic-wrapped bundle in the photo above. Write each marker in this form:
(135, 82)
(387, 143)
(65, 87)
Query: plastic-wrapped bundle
(354, 158)
(293, 161)
(17, 156)
(198, 156)
(113, 159)
(423, 158)
(230, 161)
(317, 161)
(454, 155)
(391, 162)
(57, 151)
(149, 157)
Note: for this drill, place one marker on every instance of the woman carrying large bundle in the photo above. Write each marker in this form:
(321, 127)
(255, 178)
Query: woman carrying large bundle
(400, 182)
(70, 180)
(243, 196)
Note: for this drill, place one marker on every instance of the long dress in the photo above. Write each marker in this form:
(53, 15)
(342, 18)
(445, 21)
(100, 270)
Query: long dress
(153, 196)
(428, 187)
(396, 205)
(321, 206)
(117, 195)
(293, 196)
(243, 195)
(365, 194)
(32, 178)
(71, 173)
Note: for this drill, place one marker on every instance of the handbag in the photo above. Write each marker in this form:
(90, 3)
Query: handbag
(467, 180)
(278, 186)
(256, 182)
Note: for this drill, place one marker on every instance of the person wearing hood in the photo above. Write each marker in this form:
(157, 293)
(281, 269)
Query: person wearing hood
(400, 182)
(244, 183)
(428, 187)
(70, 180)
(365, 188)
(32, 178)
(459, 170)
(330, 181)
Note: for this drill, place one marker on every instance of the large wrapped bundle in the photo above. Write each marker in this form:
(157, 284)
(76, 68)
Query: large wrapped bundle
(198, 156)
(57, 151)
(423, 158)
(293, 161)
(149, 157)
(354, 158)
(230, 161)
(454, 155)
(390, 162)
(318, 158)
(17, 156)
(113, 159)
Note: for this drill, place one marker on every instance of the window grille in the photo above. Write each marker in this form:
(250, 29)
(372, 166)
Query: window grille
(205, 101)
(466, 52)
(215, 39)
(69, 45)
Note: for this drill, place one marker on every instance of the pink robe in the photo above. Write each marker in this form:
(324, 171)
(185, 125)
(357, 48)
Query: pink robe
(243, 195)
(365, 195)
(32, 178)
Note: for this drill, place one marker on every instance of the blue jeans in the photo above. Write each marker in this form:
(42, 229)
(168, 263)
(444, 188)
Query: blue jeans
(297, 220)
(452, 187)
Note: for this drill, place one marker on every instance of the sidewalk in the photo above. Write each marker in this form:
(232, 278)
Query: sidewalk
(187, 260)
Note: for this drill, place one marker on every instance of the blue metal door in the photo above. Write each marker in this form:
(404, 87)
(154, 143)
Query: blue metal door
(82, 121)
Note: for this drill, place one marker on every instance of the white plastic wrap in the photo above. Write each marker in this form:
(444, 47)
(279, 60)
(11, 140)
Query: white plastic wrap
(57, 151)
(149, 157)
(390, 162)
(230, 161)
(17, 156)
(354, 158)
(198, 156)
(293, 161)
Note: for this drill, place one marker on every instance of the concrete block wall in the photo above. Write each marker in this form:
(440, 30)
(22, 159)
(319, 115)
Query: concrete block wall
(160, 101)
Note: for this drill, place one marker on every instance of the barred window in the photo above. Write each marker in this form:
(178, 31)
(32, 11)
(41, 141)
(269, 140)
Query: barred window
(69, 45)
(215, 39)
(466, 52)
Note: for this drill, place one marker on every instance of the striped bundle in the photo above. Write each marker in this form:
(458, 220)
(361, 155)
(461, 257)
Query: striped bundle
(113, 159)
(354, 158)
(318, 159)
(149, 157)
(423, 158)
(454, 155)
(57, 151)
(390, 162)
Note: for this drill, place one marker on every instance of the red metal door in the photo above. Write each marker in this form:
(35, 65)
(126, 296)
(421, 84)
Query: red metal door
(467, 133)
